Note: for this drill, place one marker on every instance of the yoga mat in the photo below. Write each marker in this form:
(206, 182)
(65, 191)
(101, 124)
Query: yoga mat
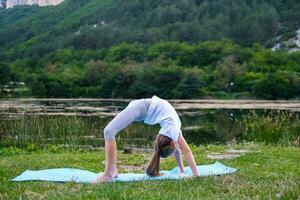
(84, 176)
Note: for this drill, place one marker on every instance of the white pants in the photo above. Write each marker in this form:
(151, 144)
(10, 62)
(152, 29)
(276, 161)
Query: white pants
(135, 111)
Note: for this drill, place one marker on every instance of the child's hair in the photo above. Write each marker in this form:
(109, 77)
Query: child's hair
(164, 146)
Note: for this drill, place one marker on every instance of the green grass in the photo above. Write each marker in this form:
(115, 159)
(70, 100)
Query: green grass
(267, 172)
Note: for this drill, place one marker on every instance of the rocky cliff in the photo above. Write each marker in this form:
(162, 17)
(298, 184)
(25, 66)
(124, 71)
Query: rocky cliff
(290, 45)
(12, 3)
(2, 4)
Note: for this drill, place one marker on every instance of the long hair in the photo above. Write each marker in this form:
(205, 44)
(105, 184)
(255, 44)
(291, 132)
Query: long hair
(164, 146)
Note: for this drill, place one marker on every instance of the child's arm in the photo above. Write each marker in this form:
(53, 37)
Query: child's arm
(177, 155)
(188, 155)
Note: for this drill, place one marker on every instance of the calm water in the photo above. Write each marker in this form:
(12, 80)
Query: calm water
(79, 122)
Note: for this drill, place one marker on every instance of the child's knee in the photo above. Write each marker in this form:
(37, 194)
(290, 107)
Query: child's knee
(109, 134)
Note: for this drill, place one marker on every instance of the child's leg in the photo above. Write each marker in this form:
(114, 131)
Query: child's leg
(111, 158)
(130, 114)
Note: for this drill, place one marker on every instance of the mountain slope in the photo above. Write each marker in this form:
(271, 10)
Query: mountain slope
(97, 24)
(13, 3)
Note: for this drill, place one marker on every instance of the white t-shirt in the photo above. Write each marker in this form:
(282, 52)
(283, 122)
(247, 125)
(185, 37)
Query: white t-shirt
(162, 112)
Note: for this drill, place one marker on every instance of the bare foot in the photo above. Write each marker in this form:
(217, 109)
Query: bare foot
(102, 179)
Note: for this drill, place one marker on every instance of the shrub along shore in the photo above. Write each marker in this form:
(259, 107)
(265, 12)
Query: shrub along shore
(213, 69)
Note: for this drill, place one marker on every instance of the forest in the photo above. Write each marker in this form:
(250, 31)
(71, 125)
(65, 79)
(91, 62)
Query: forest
(137, 48)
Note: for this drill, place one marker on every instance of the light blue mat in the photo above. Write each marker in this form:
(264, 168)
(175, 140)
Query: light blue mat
(84, 176)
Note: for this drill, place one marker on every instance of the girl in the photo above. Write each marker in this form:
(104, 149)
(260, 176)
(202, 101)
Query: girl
(169, 140)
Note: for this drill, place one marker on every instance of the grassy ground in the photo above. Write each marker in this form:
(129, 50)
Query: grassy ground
(267, 172)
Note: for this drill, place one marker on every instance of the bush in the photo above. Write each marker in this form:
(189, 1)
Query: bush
(155, 80)
(276, 86)
(126, 51)
(190, 84)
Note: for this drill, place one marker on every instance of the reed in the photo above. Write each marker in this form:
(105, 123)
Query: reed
(45, 129)
(275, 126)
(73, 131)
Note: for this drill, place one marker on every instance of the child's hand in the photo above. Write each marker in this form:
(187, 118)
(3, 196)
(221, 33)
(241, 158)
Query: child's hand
(161, 174)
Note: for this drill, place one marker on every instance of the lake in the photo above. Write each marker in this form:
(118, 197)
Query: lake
(80, 122)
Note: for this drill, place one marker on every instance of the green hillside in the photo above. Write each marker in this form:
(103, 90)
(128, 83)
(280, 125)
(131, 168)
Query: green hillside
(58, 50)
(99, 24)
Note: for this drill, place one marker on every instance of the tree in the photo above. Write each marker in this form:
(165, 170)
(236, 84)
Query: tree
(155, 80)
(124, 51)
(276, 86)
(226, 73)
(37, 85)
(190, 84)
(5, 74)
